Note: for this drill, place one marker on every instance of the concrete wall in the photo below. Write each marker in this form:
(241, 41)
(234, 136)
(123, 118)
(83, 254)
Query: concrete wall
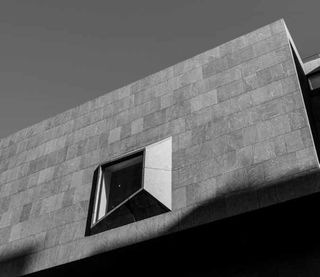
(238, 123)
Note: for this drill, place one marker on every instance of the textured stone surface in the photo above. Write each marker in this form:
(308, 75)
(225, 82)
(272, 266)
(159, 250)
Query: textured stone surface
(238, 125)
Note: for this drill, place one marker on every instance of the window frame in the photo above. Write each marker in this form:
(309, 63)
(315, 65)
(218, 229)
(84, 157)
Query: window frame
(155, 188)
(93, 208)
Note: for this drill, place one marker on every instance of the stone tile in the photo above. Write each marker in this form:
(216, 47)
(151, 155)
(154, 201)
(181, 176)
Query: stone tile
(154, 119)
(241, 102)
(280, 147)
(35, 209)
(245, 156)
(4, 235)
(33, 179)
(250, 82)
(183, 67)
(201, 192)
(38, 164)
(264, 130)
(74, 150)
(305, 153)
(249, 135)
(297, 119)
(82, 192)
(137, 126)
(272, 43)
(125, 131)
(4, 204)
(67, 167)
(188, 174)
(240, 56)
(5, 219)
(266, 93)
(52, 203)
(46, 175)
(269, 109)
(53, 236)
(190, 77)
(229, 161)
(179, 199)
(189, 91)
(278, 26)
(176, 126)
(230, 90)
(180, 109)
(281, 167)
(223, 78)
(166, 100)
(240, 120)
(263, 151)
(279, 72)
(306, 137)
(25, 212)
(264, 76)
(68, 197)
(280, 125)
(232, 181)
(290, 84)
(72, 231)
(15, 232)
(215, 66)
(294, 141)
(256, 176)
(292, 102)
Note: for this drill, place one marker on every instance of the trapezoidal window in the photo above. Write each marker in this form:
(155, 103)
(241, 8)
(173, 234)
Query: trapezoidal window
(131, 188)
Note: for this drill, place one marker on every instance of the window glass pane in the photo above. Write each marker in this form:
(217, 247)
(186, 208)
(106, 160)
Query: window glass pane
(116, 183)
(125, 181)
(97, 196)
(103, 200)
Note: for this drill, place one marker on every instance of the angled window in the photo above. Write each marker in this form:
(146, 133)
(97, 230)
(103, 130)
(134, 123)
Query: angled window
(131, 188)
(117, 182)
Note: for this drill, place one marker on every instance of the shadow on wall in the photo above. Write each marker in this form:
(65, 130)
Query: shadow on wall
(280, 240)
(16, 261)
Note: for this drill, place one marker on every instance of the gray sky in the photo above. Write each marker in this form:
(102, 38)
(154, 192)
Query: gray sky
(55, 55)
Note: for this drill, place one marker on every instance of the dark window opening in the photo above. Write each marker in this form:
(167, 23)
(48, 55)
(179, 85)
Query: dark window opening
(123, 180)
(118, 197)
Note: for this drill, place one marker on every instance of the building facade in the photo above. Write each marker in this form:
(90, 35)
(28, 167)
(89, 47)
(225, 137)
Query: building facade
(223, 138)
